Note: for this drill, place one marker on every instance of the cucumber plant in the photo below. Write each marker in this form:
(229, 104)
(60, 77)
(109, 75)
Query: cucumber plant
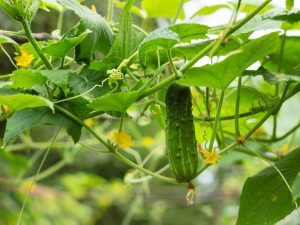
(103, 74)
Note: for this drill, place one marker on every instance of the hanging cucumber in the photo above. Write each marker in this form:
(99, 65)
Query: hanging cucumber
(181, 142)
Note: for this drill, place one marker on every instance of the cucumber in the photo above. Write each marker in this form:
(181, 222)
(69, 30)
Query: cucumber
(181, 142)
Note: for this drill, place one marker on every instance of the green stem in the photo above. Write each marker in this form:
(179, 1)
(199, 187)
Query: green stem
(215, 127)
(282, 43)
(175, 72)
(179, 9)
(5, 77)
(110, 10)
(279, 138)
(273, 158)
(35, 45)
(121, 122)
(207, 101)
(249, 17)
(237, 106)
(230, 117)
(60, 21)
(112, 149)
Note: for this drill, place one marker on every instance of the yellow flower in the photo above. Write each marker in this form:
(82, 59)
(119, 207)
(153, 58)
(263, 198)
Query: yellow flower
(122, 139)
(24, 59)
(147, 141)
(89, 122)
(93, 8)
(210, 157)
(28, 186)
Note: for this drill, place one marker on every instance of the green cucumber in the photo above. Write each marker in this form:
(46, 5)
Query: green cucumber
(181, 142)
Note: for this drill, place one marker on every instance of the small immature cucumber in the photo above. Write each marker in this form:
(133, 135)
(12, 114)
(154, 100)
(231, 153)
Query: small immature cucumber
(181, 142)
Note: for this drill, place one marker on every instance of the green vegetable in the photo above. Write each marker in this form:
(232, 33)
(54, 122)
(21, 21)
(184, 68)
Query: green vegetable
(180, 133)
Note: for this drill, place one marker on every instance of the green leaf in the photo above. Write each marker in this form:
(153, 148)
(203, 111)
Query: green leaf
(58, 77)
(133, 9)
(28, 118)
(101, 39)
(22, 101)
(27, 78)
(206, 10)
(85, 80)
(20, 9)
(10, 9)
(7, 40)
(259, 23)
(127, 40)
(220, 75)
(63, 47)
(188, 51)
(158, 8)
(268, 194)
(52, 4)
(289, 4)
(115, 101)
(162, 37)
(296, 188)
(189, 31)
(289, 61)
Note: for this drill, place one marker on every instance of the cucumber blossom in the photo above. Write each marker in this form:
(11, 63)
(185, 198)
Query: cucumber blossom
(181, 142)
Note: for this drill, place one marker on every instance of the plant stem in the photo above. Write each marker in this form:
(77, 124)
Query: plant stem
(215, 127)
(175, 72)
(35, 45)
(279, 138)
(112, 149)
(60, 21)
(207, 106)
(5, 77)
(249, 17)
(110, 10)
(237, 106)
(230, 117)
(179, 9)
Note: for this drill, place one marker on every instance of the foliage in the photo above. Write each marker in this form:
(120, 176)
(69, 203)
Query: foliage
(104, 78)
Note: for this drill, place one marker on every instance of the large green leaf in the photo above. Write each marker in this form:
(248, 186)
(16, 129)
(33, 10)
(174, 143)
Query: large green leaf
(265, 198)
(61, 48)
(162, 37)
(58, 77)
(29, 118)
(289, 4)
(115, 101)
(101, 39)
(296, 188)
(158, 8)
(23, 101)
(220, 75)
(126, 41)
(27, 78)
(21, 9)
(189, 31)
(289, 61)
